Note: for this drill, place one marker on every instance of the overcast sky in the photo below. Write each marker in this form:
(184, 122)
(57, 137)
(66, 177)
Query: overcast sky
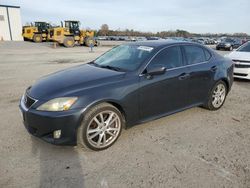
(200, 16)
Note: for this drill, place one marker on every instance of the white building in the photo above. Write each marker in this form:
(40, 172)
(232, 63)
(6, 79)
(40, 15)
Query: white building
(10, 23)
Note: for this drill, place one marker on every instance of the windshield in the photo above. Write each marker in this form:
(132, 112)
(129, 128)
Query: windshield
(245, 48)
(72, 25)
(228, 40)
(124, 57)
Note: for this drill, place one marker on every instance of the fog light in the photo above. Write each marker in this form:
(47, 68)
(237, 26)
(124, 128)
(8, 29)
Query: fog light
(57, 134)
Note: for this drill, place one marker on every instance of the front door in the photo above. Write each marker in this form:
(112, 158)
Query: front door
(166, 93)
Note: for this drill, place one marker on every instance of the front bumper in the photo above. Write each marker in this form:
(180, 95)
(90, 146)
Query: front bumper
(42, 124)
(223, 47)
(243, 73)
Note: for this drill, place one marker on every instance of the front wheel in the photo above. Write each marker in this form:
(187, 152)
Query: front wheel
(217, 96)
(69, 42)
(100, 127)
(37, 38)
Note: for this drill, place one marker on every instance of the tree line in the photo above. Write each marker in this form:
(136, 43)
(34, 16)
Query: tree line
(106, 31)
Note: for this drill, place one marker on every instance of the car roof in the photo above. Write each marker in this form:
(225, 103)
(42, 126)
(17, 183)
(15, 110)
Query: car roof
(160, 43)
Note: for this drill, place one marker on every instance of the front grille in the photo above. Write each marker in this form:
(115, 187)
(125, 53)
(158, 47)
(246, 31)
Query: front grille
(239, 74)
(240, 61)
(28, 101)
(241, 66)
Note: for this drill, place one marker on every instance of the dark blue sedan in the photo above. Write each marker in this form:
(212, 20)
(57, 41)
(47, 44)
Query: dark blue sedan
(130, 84)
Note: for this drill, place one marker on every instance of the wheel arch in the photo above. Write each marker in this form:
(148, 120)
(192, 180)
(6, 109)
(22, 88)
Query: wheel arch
(109, 101)
(119, 107)
(226, 82)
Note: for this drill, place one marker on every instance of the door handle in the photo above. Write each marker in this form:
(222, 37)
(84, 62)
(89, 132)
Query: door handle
(184, 76)
(214, 68)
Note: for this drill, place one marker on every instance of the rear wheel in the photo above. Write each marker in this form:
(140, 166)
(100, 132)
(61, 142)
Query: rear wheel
(89, 41)
(37, 38)
(217, 96)
(69, 42)
(100, 127)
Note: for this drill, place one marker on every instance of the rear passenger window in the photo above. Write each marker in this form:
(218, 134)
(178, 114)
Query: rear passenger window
(194, 54)
(170, 58)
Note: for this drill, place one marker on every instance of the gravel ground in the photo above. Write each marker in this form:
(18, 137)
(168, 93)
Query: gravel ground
(193, 148)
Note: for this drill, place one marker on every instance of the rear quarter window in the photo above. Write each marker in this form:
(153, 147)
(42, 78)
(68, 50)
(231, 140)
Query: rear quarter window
(207, 55)
(194, 54)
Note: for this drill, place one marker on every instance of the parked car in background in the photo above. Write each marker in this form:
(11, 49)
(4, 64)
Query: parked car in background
(245, 40)
(133, 83)
(241, 59)
(141, 38)
(215, 41)
(152, 38)
(207, 41)
(228, 44)
(201, 41)
(102, 38)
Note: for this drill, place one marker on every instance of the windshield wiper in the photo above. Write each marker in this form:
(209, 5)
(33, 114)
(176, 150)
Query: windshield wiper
(107, 67)
(93, 63)
(112, 68)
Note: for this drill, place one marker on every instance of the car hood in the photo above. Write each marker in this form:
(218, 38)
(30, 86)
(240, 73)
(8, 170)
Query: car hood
(64, 82)
(242, 56)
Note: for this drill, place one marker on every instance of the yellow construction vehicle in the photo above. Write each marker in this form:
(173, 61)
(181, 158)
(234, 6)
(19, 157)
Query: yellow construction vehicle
(70, 34)
(37, 32)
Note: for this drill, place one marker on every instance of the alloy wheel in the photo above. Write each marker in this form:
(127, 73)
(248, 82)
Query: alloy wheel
(219, 95)
(103, 129)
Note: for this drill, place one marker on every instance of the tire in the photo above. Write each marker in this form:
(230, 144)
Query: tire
(37, 38)
(217, 48)
(69, 42)
(93, 130)
(211, 103)
(88, 41)
(97, 43)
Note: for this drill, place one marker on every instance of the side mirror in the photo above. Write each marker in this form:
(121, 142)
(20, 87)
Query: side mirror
(156, 70)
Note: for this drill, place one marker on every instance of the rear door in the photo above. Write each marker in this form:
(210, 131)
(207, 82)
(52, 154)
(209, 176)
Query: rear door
(201, 70)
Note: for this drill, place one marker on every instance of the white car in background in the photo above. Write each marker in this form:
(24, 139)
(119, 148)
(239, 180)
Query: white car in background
(241, 59)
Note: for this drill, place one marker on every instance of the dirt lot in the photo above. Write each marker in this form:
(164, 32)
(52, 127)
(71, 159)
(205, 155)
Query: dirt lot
(194, 148)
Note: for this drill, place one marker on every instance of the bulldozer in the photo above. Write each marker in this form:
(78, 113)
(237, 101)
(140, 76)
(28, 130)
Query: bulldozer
(37, 32)
(69, 35)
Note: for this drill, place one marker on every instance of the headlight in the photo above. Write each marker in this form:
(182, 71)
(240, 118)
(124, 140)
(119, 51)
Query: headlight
(58, 104)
